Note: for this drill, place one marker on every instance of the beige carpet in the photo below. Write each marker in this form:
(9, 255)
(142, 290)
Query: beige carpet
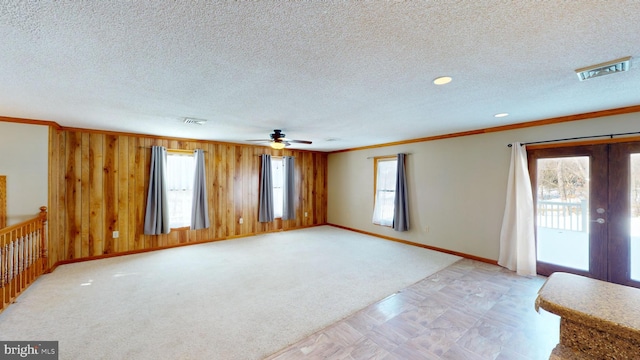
(236, 299)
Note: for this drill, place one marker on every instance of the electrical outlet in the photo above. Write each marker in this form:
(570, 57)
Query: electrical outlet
(116, 234)
(305, 214)
(426, 229)
(241, 221)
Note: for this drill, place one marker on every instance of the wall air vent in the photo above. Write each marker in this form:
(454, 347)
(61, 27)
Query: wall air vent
(610, 67)
(192, 121)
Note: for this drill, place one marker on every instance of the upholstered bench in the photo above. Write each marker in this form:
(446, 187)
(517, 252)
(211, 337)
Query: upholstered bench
(598, 320)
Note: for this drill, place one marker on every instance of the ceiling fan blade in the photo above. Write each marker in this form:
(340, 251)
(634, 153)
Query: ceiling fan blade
(278, 137)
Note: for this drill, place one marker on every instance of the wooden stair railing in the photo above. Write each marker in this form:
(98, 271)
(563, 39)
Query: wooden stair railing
(3, 201)
(23, 256)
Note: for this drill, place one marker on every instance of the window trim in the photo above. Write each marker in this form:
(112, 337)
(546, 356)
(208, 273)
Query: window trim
(376, 160)
(180, 152)
(279, 159)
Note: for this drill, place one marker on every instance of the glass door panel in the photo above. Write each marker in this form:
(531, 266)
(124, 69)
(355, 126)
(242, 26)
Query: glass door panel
(570, 193)
(562, 211)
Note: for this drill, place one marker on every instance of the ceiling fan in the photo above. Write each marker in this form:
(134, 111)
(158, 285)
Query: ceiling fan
(278, 140)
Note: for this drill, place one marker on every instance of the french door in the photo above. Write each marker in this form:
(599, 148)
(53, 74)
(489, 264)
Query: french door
(588, 210)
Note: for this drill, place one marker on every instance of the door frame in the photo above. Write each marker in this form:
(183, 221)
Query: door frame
(598, 198)
(620, 208)
(610, 240)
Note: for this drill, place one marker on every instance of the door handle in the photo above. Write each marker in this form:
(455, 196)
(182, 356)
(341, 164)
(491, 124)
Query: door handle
(599, 220)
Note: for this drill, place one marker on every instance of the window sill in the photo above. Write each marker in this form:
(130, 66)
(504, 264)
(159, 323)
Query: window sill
(181, 228)
(389, 226)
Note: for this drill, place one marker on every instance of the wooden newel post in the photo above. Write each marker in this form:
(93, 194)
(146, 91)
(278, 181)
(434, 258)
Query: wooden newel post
(43, 237)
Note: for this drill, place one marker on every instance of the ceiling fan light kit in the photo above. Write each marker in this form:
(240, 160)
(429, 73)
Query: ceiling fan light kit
(277, 145)
(278, 140)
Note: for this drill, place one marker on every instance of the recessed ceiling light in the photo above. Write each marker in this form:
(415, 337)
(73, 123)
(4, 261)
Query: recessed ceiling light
(501, 115)
(442, 80)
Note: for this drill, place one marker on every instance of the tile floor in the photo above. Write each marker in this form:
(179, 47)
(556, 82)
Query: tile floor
(469, 310)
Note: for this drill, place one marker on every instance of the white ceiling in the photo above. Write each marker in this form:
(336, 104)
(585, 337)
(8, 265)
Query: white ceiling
(355, 72)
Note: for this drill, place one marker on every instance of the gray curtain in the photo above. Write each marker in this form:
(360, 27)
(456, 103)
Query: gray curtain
(401, 201)
(156, 218)
(265, 213)
(200, 208)
(289, 193)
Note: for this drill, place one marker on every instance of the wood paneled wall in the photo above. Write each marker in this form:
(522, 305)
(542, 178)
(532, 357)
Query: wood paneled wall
(98, 184)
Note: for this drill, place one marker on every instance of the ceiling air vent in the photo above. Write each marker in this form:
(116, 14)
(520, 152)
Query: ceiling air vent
(610, 67)
(192, 121)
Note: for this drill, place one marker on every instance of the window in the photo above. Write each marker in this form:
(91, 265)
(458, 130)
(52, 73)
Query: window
(180, 173)
(277, 178)
(385, 169)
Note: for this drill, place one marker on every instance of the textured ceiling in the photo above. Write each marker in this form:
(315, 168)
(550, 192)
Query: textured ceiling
(343, 74)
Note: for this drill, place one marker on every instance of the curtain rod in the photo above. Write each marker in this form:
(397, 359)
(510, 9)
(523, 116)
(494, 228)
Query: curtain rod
(277, 155)
(578, 138)
(373, 157)
(179, 151)
(171, 150)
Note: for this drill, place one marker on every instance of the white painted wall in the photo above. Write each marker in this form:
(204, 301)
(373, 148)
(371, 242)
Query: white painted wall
(24, 160)
(457, 186)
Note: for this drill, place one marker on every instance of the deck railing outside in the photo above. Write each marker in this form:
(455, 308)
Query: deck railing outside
(563, 215)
